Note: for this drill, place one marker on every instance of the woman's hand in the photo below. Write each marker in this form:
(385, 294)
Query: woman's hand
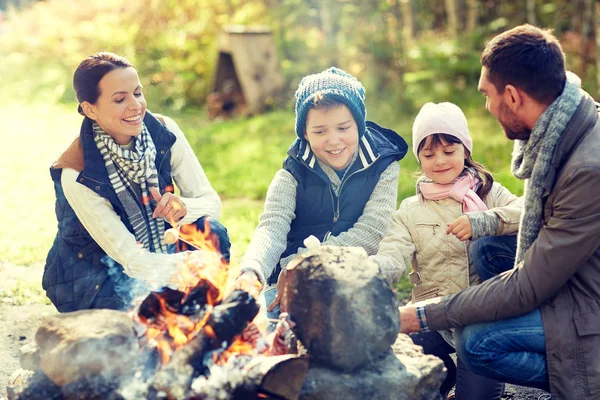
(282, 281)
(168, 206)
(461, 228)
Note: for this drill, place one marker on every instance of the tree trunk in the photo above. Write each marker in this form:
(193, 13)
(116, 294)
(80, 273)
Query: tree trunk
(408, 22)
(531, 12)
(329, 25)
(472, 15)
(577, 17)
(452, 16)
(597, 29)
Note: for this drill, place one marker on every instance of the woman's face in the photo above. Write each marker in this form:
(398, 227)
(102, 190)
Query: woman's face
(333, 135)
(121, 107)
(443, 163)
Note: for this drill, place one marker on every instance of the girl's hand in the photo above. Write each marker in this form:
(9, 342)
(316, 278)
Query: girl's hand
(168, 206)
(461, 228)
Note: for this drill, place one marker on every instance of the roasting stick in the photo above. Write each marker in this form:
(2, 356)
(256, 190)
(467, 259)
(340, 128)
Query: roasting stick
(172, 235)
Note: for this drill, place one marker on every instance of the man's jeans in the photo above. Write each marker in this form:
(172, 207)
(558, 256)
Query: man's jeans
(492, 255)
(512, 350)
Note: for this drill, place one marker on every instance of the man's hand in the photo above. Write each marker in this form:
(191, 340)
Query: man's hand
(461, 228)
(408, 319)
(280, 288)
(168, 206)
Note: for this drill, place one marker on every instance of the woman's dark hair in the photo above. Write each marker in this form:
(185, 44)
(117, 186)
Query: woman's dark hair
(90, 72)
(486, 177)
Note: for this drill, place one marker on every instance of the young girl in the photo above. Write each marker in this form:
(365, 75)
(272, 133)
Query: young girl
(457, 202)
(339, 181)
(114, 193)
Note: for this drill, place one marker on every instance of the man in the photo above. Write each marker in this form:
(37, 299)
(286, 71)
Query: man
(538, 324)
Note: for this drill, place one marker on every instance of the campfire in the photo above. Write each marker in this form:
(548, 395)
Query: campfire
(176, 343)
(204, 340)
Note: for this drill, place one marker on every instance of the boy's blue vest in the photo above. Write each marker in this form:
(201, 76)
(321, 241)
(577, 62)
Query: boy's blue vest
(76, 267)
(319, 211)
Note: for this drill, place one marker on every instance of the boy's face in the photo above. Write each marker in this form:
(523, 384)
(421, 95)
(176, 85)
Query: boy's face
(333, 135)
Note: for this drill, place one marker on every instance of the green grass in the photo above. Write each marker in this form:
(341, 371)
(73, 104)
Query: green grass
(240, 158)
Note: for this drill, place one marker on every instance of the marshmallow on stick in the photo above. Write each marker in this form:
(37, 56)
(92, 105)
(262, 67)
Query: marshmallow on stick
(171, 236)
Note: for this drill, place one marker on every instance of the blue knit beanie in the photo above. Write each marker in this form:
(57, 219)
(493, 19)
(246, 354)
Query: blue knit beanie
(335, 84)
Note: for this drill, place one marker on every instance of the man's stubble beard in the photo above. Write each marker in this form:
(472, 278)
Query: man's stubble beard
(513, 128)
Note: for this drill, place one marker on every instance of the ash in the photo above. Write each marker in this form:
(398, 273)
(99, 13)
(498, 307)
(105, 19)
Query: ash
(223, 381)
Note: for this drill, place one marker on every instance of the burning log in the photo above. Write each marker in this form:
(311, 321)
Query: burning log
(282, 376)
(178, 302)
(226, 321)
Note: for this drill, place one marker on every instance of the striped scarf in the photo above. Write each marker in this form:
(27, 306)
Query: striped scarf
(129, 169)
(532, 160)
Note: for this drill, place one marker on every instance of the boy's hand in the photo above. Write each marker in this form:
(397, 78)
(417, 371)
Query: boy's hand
(461, 228)
(248, 281)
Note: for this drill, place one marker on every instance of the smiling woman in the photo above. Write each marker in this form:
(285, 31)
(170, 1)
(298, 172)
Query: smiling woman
(115, 194)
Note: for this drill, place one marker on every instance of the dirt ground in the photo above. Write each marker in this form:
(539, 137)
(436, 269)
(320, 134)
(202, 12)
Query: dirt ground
(20, 322)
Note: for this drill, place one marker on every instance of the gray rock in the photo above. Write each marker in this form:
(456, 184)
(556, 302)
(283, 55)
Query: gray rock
(345, 311)
(29, 356)
(87, 343)
(402, 374)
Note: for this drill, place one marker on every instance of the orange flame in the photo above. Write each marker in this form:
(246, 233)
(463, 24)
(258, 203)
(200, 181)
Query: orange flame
(239, 346)
(169, 330)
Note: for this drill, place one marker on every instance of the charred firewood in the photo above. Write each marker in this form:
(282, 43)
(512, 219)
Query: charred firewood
(92, 388)
(178, 302)
(226, 321)
(205, 292)
(279, 377)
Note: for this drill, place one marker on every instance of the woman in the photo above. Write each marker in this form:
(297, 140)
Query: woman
(115, 196)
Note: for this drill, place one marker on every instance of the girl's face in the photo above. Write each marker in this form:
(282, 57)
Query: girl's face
(333, 135)
(121, 107)
(443, 163)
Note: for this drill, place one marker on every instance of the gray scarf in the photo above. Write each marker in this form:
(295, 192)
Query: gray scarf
(532, 159)
(130, 167)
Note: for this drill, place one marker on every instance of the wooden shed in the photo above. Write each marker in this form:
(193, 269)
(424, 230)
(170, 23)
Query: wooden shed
(247, 77)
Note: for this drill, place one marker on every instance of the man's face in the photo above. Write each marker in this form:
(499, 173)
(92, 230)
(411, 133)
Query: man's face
(497, 105)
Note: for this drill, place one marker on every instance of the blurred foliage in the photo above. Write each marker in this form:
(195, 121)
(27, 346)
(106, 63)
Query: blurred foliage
(174, 43)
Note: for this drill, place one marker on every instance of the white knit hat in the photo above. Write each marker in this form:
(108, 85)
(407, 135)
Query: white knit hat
(444, 118)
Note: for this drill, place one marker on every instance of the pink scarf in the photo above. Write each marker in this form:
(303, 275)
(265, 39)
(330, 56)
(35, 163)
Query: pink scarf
(462, 190)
